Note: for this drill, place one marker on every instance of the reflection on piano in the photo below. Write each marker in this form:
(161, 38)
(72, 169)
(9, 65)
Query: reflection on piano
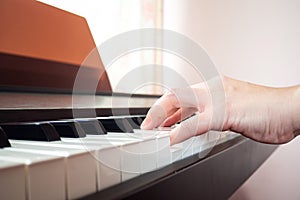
(47, 154)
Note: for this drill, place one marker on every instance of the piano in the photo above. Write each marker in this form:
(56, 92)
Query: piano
(48, 153)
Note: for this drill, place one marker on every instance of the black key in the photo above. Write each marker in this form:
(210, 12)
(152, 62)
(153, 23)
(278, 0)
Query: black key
(116, 125)
(92, 126)
(135, 122)
(36, 131)
(3, 139)
(71, 129)
(139, 120)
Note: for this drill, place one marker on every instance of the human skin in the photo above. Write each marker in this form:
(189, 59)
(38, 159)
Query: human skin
(264, 114)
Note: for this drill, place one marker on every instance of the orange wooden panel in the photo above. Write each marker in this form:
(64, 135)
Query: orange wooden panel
(31, 29)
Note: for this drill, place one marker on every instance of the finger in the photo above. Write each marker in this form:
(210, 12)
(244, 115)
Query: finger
(196, 125)
(169, 103)
(163, 108)
(178, 116)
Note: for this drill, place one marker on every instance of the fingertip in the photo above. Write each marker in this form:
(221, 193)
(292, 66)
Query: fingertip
(173, 137)
(146, 124)
(171, 140)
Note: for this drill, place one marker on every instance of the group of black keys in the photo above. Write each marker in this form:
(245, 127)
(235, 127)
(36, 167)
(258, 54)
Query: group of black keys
(71, 128)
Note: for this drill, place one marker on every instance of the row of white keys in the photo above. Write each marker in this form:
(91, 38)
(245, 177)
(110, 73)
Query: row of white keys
(153, 151)
(122, 156)
(174, 152)
(163, 148)
(106, 174)
(80, 169)
(198, 144)
(107, 159)
(202, 144)
(194, 145)
(143, 151)
(136, 156)
(130, 159)
(191, 146)
(81, 162)
(44, 175)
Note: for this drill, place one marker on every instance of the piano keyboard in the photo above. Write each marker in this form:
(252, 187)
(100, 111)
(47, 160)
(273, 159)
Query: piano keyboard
(69, 159)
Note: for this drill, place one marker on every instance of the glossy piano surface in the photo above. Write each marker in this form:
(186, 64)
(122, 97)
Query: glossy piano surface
(51, 106)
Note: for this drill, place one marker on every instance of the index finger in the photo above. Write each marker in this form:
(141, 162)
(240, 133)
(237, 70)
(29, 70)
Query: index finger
(162, 108)
(173, 100)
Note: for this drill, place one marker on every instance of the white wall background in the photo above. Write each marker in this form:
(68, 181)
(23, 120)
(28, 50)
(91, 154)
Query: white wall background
(257, 41)
(254, 40)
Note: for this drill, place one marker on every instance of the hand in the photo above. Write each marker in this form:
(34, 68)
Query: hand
(264, 114)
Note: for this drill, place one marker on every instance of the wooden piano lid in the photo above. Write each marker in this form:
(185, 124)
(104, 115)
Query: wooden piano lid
(42, 48)
(41, 51)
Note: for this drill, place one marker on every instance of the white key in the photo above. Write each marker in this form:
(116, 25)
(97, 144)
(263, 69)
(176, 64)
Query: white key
(214, 136)
(130, 161)
(105, 138)
(138, 156)
(197, 145)
(109, 153)
(162, 144)
(186, 146)
(44, 174)
(110, 167)
(161, 130)
(211, 139)
(80, 165)
(130, 153)
(12, 180)
(164, 156)
(146, 149)
(115, 163)
(176, 153)
(148, 152)
(208, 141)
(202, 143)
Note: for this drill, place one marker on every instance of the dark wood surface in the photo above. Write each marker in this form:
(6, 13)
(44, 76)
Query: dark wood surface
(21, 73)
(56, 114)
(21, 107)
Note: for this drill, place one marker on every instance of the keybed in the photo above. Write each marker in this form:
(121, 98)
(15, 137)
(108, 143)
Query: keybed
(90, 161)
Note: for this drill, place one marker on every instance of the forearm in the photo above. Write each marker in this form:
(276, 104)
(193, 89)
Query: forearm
(295, 108)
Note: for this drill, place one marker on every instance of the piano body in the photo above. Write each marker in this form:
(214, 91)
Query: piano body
(47, 154)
